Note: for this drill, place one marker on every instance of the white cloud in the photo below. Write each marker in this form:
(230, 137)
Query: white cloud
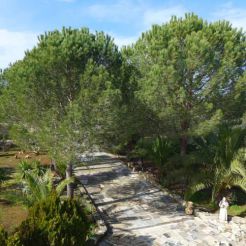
(138, 14)
(120, 11)
(159, 16)
(124, 40)
(14, 44)
(237, 16)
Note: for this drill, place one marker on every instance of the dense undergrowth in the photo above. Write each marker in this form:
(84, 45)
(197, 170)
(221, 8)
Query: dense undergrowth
(52, 222)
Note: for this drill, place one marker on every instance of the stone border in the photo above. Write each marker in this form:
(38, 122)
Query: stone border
(103, 228)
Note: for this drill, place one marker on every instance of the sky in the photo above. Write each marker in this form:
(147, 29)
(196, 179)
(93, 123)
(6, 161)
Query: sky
(21, 21)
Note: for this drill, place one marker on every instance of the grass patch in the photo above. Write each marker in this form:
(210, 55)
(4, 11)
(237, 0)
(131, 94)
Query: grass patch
(236, 210)
(11, 216)
(8, 159)
(12, 212)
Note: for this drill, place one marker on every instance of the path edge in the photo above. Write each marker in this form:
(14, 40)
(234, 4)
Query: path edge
(103, 227)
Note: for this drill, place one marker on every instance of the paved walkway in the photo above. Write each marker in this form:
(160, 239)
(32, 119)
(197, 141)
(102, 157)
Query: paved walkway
(141, 214)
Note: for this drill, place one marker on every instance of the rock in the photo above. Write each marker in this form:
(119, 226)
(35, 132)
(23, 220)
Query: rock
(233, 237)
(201, 215)
(27, 157)
(238, 220)
(166, 235)
(235, 229)
(189, 210)
(221, 227)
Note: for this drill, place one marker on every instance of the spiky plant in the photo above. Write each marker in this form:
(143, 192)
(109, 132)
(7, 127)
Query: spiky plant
(24, 166)
(39, 185)
(227, 163)
(161, 150)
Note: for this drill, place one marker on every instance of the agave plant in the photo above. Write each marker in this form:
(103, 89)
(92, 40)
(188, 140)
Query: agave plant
(227, 163)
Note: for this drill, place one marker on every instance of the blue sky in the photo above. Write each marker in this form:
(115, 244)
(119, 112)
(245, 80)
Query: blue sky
(21, 21)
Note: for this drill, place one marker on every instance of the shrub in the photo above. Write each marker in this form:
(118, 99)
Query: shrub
(38, 183)
(3, 236)
(55, 222)
(24, 167)
(236, 210)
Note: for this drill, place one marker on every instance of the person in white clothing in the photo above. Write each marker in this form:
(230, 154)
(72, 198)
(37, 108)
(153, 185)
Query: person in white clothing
(223, 209)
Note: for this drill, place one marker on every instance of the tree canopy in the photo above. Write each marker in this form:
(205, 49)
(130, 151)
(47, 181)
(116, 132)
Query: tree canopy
(62, 89)
(76, 89)
(191, 71)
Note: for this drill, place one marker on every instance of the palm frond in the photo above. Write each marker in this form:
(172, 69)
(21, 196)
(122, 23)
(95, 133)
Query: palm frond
(241, 183)
(60, 187)
(195, 188)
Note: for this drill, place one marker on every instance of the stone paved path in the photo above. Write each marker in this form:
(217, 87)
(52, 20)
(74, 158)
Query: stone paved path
(141, 214)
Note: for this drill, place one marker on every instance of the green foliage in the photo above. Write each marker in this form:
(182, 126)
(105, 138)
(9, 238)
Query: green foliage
(62, 92)
(55, 222)
(75, 90)
(181, 170)
(2, 174)
(24, 138)
(227, 163)
(25, 166)
(203, 196)
(158, 149)
(190, 70)
(37, 182)
(143, 148)
(236, 210)
(3, 237)
(161, 150)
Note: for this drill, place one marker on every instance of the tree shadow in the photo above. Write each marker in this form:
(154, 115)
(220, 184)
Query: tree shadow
(5, 202)
(101, 177)
(131, 191)
(121, 239)
(97, 163)
(123, 200)
(6, 154)
(5, 173)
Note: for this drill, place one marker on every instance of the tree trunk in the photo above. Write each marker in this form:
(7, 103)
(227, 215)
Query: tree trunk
(184, 138)
(183, 145)
(53, 166)
(69, 173)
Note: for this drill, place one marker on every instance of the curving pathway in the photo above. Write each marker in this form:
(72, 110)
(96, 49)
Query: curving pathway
(139, 213)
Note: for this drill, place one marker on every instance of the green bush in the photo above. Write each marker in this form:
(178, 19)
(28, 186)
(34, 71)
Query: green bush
(1, 175)
(236, 210)
(54, 222)
(3, 236)
(25, 166)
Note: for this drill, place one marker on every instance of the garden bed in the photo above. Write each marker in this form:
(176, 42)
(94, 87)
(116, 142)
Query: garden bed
(12, 212)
